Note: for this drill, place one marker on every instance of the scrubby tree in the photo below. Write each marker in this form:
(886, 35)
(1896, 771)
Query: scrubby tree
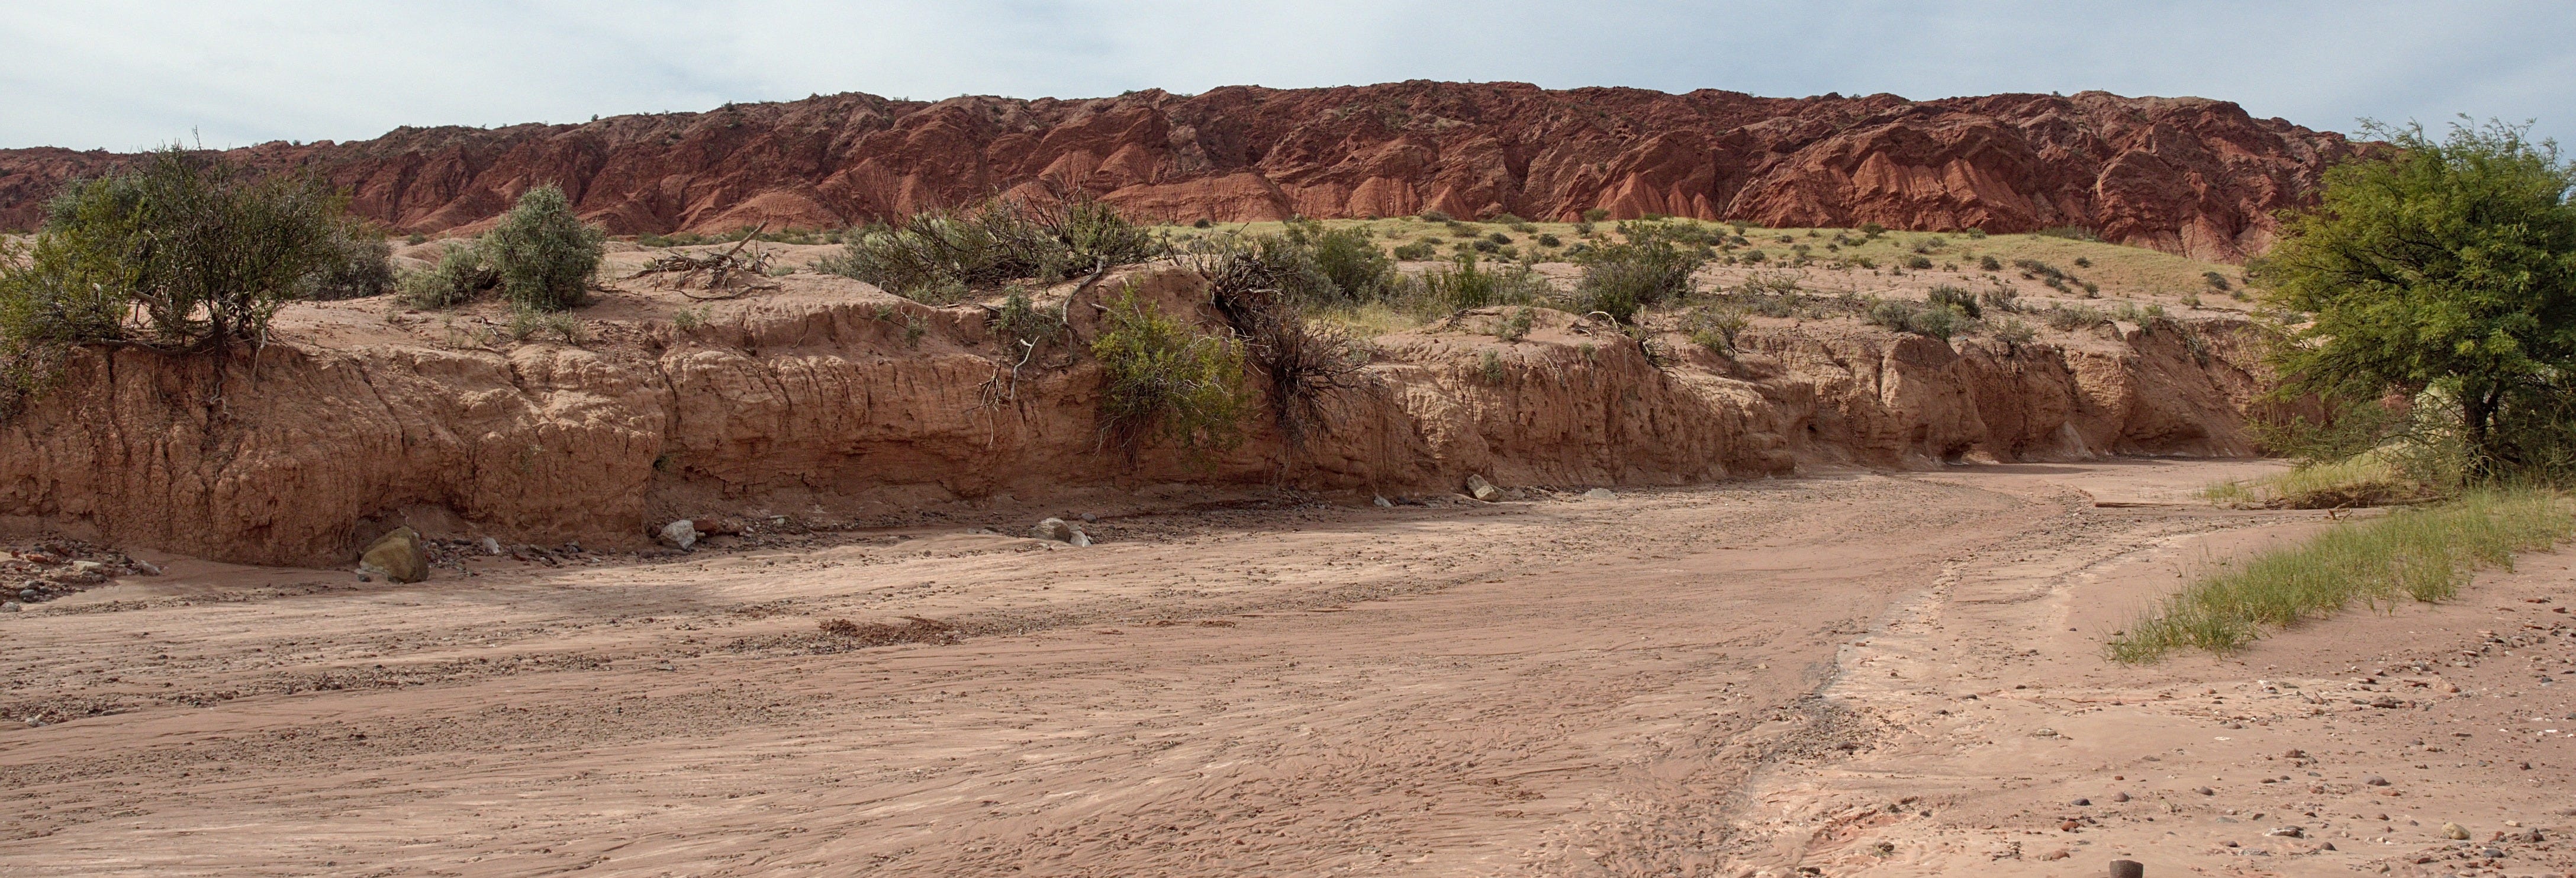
(187, 252)
(2445, 264)
(543, 253)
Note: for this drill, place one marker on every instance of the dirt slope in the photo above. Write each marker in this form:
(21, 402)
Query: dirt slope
(828, 402)
(1686, 681)
(2185, 175)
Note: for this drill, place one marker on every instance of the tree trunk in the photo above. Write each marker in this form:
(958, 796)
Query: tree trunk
(2478, 404)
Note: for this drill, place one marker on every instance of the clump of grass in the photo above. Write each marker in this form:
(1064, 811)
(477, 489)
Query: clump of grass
(2372, 478)
(2415, 554)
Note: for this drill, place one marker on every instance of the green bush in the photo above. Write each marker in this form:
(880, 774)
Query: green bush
(1434, 216)
(1956, 299)
(543, 253)
(1918, 263)
(198, 251)
(462, 274)
(1988, 262)
(1417, 251)
(1654, 265)
(1547, 240)
(1596, 214)
(1163, 380)
(2072, 233)
(1350, 265)
(361, 265)
(1716, 328)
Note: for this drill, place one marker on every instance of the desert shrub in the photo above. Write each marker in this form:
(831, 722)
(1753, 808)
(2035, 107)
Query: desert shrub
(1417, 251)
(1164, 381)
(1304, 362)
(2000, 299)
(462, 273)
(1463, 284)
(526, 323)
(1957, 299)
(2215, 280)
(1654, 265)
(1583, 229)
(1595, 214)
(1506, 219)
(1516, 325)
(2072, 233)
(2033, 268)
(937, 257)
(1489, 365)
(1436, 216)
(2011, 331)
(1918, 263)
(1976, 234)
(2069, 318)
(544, 254)
(1989, 263)
(1346, 265)
(2081, 262)
(1754, 257)
(1903, 316)
(1716, 328)
(1202, 222)
(1024, 324)
(1872, 229)
(361, 265)
(1546, 240)
(186, 252)
(416, 239)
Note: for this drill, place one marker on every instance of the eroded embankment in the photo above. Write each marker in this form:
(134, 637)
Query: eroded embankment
(827, 399)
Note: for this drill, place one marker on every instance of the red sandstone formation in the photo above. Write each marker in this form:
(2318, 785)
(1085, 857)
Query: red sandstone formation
(2185, 175)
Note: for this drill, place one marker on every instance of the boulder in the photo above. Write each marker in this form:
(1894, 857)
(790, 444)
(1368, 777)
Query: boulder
(681, 534)
(1483, 490)
(397, 556)
(1601, 494)
(1061, 531)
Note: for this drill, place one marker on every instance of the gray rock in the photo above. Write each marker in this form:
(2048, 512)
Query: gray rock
(2128, 869)
(1088, 518)
(1382, 502)
(147, 568)
(2374, 780)
(1079, 539)
(8, 606)
(28, 594)
(1056, 529)
(2204, 791)
(1480, 489)
(1601, 494)
(2084, 803)
(491, 546)
(681, 534)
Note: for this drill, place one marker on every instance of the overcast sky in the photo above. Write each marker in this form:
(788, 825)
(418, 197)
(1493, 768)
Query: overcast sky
(126, 75)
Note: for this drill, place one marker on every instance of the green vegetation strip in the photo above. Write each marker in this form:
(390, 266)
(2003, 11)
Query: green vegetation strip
(2422, 554)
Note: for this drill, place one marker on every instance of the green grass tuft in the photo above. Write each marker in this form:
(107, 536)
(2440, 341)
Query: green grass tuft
(2422, 554)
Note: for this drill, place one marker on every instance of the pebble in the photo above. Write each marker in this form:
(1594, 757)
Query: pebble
(1090, 518)
(491, 546)
(2084, 803)
(1382, 502)
(8, 607)
(2374, 780)
(2455, 832)
(665, 666)
(2119, 797)
(2204, 791)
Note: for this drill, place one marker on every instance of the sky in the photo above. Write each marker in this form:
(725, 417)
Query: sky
(130, 75)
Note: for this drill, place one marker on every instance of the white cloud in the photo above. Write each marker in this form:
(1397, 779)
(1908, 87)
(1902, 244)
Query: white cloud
(123, 75)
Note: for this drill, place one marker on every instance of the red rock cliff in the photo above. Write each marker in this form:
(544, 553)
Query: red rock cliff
(2186, 175)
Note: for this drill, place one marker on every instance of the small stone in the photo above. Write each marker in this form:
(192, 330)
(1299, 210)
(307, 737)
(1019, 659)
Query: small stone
(1089, 518)
(2128, 869)
(28, 594)
(2374, 780)
(365, 578)
(8, 606)
(1483, 490)
(1382, 502)
(1079, 539)
(681, 535)
(1601, 494)
(2119, 797)
(2204, 791)
(147, 568)
(665, 666)
(2084, 803)
(1056, 529)
(491, 546)
(2287, 832)
(2455, 832)
(2044, 733)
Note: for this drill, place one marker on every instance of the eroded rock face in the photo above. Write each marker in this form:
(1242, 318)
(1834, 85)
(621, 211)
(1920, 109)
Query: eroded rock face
(2184, 175)
(816, 400)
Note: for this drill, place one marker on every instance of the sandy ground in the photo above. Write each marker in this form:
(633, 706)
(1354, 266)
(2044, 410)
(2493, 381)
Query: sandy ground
(1843, 674)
